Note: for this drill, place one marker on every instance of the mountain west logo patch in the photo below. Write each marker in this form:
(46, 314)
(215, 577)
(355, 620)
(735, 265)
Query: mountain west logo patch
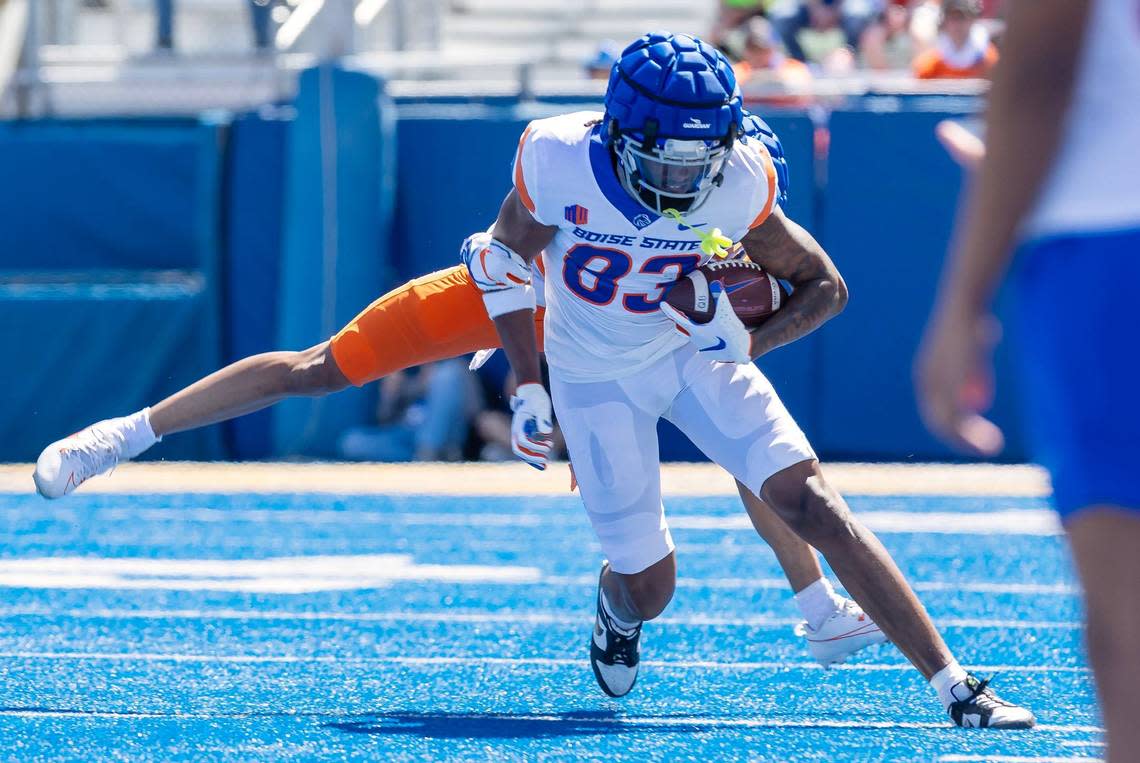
(578, 215)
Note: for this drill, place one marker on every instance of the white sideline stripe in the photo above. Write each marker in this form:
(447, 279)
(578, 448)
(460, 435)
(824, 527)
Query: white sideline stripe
(509, 661)
(282, 575)
(1035, 522)
(618, 721)
(1089, 743)
(479, 618)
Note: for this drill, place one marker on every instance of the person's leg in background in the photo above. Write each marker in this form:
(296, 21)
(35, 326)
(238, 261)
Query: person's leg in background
(1078, 385)
(1106, 548)
(164, 17)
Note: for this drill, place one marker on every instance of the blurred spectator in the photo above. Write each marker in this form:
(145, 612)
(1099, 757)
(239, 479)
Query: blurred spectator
(963, 49)
(764, 60)
(422, 415)
(599, 65)
(887, 44)
(813, 30)
(260, 12)
(731, 17)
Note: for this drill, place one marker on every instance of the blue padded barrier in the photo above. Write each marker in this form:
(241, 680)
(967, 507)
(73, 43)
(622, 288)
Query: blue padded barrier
(338, 200)
(136, 194)
(254, 205)
(92, 210)
(891, 195)
(86, 346)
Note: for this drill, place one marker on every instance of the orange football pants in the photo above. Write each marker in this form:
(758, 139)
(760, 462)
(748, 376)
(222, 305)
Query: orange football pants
(436, 317)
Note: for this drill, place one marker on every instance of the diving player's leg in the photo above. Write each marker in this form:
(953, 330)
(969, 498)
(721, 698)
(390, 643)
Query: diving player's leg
(242, 387)
(612, 443)
(432, 318)
(248, 385)
(734, 416)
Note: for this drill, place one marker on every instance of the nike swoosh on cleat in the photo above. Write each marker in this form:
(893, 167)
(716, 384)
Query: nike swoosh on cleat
(720, 345)
(862, 630)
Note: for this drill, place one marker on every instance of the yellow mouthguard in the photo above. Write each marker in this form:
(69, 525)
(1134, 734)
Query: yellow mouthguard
(713, 243)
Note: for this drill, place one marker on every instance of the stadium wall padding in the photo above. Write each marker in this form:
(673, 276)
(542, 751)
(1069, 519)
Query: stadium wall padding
(890, 198)
(126, 218)
(109, 194)
(108, 274)
(253, 229)
(340, 180)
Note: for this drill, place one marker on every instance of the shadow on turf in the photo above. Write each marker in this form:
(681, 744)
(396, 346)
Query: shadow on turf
(514, 726)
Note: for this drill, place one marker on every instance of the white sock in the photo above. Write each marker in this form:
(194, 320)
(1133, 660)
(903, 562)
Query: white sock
(946, 679)
(818, 602)
(622, 625)
(137, 433)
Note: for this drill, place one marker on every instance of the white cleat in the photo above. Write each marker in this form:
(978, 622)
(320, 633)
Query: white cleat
(848, 630)
(68, 463)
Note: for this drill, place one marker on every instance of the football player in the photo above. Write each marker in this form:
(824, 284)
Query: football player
(597, 196)
(1061, 176)
(439, 316)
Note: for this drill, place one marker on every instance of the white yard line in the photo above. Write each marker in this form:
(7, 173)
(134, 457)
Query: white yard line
(1033, 522)
(479, 618)
(515, 479)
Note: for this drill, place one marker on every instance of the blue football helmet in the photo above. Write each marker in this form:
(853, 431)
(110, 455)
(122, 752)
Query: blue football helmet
(673, 111)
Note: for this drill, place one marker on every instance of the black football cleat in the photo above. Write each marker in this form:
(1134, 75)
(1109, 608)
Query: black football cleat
(977, 707)
(614, 651)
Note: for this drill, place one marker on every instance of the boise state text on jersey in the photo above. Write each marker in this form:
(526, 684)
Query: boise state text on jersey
(606, 276)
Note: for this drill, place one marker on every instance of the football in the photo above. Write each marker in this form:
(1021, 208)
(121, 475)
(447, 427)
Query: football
(753, 294)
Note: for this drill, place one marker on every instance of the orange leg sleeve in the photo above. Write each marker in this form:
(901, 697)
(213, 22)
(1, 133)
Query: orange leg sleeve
(436, 317)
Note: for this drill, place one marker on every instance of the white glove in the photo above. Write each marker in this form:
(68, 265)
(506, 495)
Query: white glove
(724, 337)
(531, 424)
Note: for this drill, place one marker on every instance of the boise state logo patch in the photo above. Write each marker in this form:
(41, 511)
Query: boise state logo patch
(578, 215)
(641, 221)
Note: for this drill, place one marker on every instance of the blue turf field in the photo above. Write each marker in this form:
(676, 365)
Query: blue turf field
(245, 626)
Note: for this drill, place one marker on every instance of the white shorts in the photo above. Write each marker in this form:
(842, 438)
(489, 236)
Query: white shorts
(729, 411)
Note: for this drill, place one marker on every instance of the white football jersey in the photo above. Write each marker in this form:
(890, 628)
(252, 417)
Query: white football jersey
(1094, 185)
(611, 260)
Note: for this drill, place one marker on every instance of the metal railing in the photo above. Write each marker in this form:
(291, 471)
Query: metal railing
(57, 77)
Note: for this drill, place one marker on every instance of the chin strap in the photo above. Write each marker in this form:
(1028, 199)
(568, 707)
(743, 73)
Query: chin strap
(713, 243)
